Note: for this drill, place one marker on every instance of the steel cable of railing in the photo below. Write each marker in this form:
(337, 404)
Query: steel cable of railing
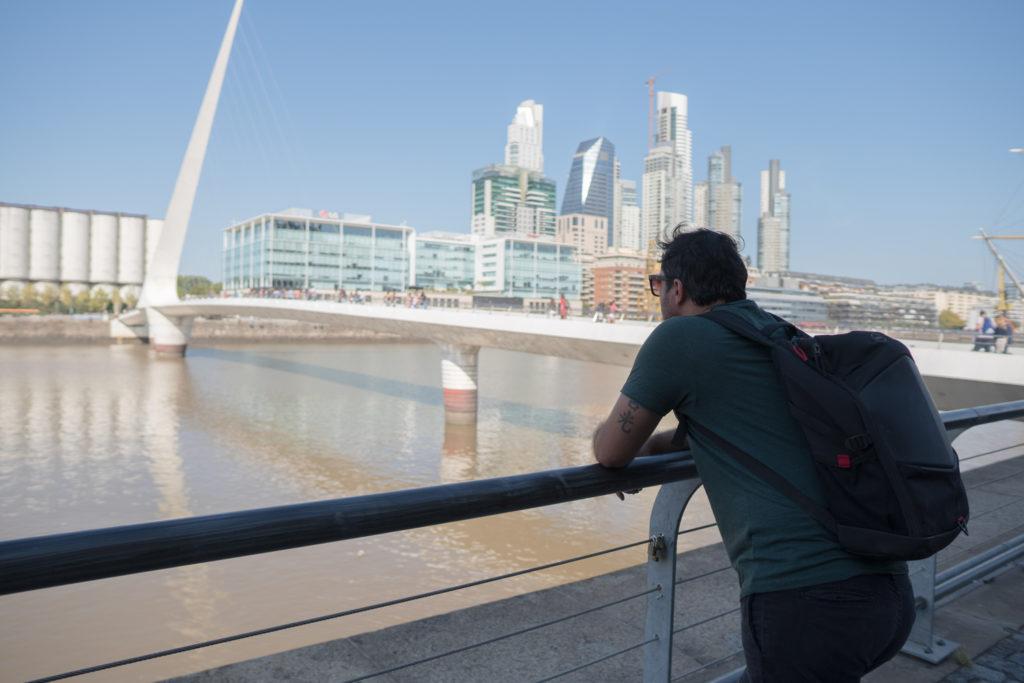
(688, 579)
(598, 660)
(705, 621)
(708, 665)
(995, 450)
(505, 636)
(334, 615)
(345, 613)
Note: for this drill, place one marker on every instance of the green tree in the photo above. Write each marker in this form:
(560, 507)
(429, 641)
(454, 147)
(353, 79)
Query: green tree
(197, 285)
(82, 302)
(116, 302)
(131, 301)
(67, 300)
(948, 320)
(47, 298)
(27, 297)
(99, 301)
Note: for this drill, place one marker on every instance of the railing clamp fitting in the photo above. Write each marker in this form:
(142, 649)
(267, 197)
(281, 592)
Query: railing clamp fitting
(658, 547)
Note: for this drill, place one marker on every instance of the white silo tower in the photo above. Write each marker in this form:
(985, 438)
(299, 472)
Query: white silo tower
(74, 250)
(131, 250)
(14, 241)
(44, 248)
(103, 250)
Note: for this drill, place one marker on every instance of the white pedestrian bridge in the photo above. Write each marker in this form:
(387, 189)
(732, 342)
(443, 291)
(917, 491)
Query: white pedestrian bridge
(988, 377)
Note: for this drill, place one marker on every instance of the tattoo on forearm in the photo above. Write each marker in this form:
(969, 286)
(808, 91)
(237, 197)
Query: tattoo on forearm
(627, 417)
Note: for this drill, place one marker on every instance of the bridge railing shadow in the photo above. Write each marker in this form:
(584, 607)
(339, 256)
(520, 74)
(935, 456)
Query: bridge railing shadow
(42, 562)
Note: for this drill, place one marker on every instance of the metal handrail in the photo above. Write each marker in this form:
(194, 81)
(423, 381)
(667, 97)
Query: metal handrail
(60, 559)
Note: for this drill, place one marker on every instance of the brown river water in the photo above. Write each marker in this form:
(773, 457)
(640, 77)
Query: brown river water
(103, 436)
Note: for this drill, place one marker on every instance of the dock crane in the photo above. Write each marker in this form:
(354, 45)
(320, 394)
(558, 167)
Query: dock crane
(1003, 269)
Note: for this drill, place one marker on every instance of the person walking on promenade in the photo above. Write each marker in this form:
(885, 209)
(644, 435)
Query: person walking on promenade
(810, 610)
(613, 311)
(1003, 333)
(563, 307)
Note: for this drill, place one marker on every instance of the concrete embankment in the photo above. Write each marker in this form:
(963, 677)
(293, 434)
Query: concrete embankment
(65, 329)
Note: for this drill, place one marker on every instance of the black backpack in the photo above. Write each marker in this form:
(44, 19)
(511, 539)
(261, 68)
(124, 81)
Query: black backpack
(890, 477)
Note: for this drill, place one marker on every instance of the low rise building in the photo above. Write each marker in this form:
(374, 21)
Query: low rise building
(443, 262)
(297, 250)
(528, 269)
(620, 276)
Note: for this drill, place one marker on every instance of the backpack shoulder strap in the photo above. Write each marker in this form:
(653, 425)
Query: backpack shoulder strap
(769, 476)
(738, 325)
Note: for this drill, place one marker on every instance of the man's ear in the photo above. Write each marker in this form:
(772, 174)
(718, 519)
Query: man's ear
(678, 292)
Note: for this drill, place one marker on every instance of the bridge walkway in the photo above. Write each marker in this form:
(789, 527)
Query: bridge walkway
(979, 617)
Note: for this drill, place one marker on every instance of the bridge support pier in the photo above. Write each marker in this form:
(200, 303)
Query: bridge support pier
(168, 335)
(458, 379)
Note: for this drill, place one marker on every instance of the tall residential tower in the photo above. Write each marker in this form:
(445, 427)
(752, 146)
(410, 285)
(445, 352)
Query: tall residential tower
(515, 198)
(668, 170)
(525, 146)
(773, 225)
(718, 199)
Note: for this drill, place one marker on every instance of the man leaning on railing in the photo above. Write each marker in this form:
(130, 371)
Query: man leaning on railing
(810, 610)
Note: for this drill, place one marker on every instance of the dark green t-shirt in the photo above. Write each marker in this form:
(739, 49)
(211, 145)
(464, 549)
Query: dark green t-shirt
(728, 384)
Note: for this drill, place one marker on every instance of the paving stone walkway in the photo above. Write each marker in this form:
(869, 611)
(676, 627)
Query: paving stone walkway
(1002, 663)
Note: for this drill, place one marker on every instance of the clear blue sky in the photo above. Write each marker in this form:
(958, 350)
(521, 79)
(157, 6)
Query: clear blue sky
(891, 119)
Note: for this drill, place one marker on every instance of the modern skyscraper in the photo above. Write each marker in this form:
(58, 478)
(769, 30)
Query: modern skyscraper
(627, 226)
(515, 198)
(511, 200)
(718, 199)
(590, 190)
(773, 224)
(668, 170)
(526, 137)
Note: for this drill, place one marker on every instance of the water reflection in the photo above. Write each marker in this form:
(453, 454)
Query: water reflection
(99, 437)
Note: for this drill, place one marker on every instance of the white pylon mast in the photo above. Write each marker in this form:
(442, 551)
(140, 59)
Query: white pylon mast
(161, 283)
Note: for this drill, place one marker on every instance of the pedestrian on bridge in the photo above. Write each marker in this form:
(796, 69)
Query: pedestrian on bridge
(811, 611)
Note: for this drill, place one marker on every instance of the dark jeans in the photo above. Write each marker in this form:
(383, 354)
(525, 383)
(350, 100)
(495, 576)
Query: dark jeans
(835, 631)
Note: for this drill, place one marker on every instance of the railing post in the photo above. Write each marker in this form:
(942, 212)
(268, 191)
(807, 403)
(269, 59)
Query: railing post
(661, 574)
(922, 642)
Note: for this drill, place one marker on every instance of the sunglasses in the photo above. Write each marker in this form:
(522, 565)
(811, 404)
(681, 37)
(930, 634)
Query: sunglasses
(656, 281)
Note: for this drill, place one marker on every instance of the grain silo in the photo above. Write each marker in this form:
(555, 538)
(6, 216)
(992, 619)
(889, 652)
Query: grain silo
(44, 247)
(14, 241)
(103, 249)
(131, 250)
(74, 248)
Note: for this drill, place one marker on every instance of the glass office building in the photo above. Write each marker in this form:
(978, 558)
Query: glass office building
(590, 189)
(528, 268)
(297, 250)
(442, 261)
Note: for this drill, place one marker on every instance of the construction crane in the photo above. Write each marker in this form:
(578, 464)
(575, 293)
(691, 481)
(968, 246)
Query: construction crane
(650, 109)
(1002, 268)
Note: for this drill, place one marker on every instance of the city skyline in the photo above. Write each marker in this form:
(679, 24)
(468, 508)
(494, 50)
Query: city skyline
(107, 132)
